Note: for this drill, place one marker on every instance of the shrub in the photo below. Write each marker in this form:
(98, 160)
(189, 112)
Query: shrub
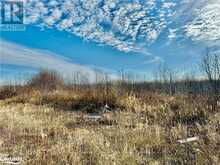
(7, 92)
(46, 80)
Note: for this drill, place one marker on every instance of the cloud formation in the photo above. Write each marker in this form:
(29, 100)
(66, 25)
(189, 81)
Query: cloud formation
(17, 55)
(124, 24)
(205, 26)
(129, 25)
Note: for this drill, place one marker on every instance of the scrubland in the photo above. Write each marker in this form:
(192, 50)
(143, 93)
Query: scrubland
(92, 126)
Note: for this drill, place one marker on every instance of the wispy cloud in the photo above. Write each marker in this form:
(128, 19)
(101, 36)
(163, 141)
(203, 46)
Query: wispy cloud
(18, 55)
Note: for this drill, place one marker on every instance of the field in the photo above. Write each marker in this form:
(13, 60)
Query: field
(92, 127)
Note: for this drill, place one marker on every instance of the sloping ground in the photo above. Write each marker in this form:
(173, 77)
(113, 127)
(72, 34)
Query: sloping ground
(133, 132)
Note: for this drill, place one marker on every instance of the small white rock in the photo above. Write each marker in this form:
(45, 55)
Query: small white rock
(191, 139)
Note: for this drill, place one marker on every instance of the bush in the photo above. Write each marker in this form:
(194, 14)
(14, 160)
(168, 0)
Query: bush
(7, 92)
(46, 80)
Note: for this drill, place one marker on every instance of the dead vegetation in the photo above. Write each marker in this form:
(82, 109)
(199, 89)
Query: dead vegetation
(48, 122)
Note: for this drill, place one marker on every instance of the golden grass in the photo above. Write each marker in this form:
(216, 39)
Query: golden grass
(54, 128)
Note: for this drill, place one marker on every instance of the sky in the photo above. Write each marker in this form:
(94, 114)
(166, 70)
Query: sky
(110, 35)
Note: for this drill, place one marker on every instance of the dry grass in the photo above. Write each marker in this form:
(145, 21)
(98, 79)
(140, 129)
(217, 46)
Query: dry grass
(57, 128)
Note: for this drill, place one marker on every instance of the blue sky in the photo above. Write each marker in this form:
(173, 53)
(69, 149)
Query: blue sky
(110, 35)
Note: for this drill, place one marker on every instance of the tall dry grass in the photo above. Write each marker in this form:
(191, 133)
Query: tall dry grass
(98, 125)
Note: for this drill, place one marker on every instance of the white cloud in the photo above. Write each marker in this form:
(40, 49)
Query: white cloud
(172, 33)
(168, 5)
(53, 17)
(120, 24)
(17, 55)
(129, 25)
(152, 35)
(206, 24)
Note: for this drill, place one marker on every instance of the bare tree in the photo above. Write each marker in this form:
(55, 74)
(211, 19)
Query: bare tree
(167, 78)
(211, 67)
(47, 80)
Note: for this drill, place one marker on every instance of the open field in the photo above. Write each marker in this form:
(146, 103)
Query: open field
(110, 82)
(69, 127)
